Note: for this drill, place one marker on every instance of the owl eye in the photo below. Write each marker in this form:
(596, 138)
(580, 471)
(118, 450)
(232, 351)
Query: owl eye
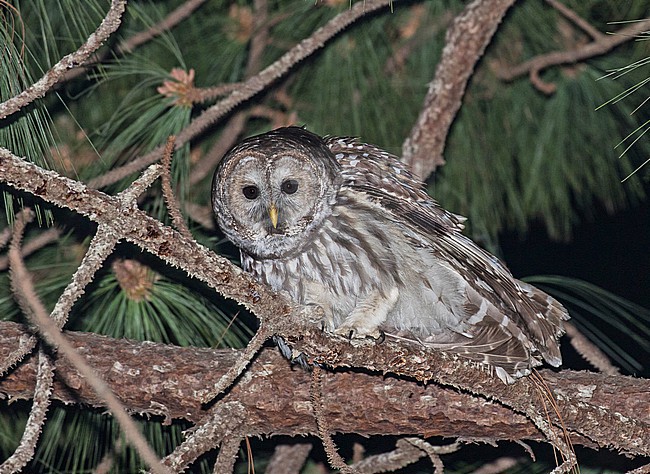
(290, 186)
(250, 192)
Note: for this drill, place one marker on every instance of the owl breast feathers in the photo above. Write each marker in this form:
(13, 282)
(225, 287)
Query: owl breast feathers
(346, 226)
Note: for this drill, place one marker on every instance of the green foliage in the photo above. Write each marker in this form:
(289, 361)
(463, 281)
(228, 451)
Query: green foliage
(71, 442)
(605, 319)
(169, 313)
(30, 134)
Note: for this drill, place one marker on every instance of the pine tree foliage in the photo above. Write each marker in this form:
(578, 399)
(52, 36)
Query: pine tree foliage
(514, 155)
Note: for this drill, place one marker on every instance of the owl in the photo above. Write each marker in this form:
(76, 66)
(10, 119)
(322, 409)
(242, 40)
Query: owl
(346, 226)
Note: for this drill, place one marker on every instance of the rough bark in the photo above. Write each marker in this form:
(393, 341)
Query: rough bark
(465, 44)
(163, 380)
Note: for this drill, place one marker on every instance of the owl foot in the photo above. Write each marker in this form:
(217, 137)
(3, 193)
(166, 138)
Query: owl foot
(365, 319)
(350, 332)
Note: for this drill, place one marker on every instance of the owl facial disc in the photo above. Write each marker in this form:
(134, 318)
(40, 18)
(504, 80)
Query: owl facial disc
(272, 191)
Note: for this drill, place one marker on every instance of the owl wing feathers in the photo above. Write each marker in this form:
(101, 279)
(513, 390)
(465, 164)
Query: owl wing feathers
(388, 182)
(510, 319)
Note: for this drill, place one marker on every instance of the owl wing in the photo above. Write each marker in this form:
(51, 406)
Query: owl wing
(388, 182)
(495, 300)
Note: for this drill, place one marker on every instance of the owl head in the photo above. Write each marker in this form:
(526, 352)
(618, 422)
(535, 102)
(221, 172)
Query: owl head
(272, 190)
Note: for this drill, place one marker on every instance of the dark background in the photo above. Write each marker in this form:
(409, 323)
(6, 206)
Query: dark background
(611, 251)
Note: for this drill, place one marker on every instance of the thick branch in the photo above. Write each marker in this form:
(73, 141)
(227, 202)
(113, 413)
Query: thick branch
(162, 379)
(465, 43)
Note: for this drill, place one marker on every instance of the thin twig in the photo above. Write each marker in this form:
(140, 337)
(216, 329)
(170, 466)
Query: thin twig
(106, 465)
(31, 246)
(397, 60)
(324, 433)
(198, 95)
(130, 195)
(45, 375)
(227, 457)
(576, 19)
(434, 452)
(249, 88)
(168, 192)
(41, 401)
(223, 420)
(111, 22)
(26, 343)
(202, 215)
(404, 454)
(5, 237)
(561, 442)
(101, 246)
(182, 12)
(497, 466)
(598, 47)
(288, 458)
(589, 351)
(254, 345)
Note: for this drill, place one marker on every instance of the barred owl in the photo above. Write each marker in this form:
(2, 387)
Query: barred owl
(345, 225)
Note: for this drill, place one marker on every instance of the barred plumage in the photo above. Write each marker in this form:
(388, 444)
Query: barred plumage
(345, 225)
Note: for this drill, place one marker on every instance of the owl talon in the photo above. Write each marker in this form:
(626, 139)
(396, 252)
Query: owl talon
(355, 333)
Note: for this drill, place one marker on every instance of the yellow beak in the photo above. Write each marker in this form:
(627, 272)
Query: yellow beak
(273, 214)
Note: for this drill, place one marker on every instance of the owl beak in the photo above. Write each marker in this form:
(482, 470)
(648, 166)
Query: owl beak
(273, 214)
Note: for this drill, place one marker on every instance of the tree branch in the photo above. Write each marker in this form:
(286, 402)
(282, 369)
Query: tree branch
(276, 401)
(171, 20)
(599, 46)
(465, 42)
(109, 25)
(589, 351)
(182, 12)
(249, 88)
(45, 372)
(580, 22)
(33, 307)
(42, 397)
(31, 246)
(288, 458)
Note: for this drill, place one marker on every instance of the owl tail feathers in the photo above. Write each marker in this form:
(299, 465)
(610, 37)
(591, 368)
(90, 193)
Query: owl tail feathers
(490, 348)
(497, 343)
(544, 322)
